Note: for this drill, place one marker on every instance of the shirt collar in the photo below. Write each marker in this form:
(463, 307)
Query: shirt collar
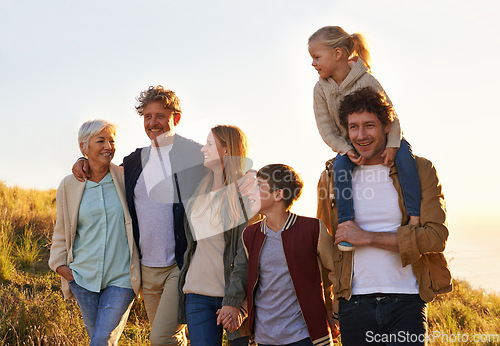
(106, 180)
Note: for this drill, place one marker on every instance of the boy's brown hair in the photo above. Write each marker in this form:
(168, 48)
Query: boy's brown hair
(282, 177)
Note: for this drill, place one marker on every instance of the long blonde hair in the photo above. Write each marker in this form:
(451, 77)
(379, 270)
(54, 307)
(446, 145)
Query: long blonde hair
(335, 36)
(234, 166)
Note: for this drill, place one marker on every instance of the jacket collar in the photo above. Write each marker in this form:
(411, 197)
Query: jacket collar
(289, 223)
(74, 195)
(119, 181)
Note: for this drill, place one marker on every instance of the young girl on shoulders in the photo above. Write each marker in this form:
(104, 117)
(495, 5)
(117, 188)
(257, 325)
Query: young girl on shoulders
(342, 61)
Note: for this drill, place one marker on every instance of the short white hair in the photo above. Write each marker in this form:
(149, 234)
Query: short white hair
(92, 128)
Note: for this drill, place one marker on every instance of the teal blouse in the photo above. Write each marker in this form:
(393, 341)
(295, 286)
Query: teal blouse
(101, 255)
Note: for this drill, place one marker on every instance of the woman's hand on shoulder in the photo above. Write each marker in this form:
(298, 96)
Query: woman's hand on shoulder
(247, 183)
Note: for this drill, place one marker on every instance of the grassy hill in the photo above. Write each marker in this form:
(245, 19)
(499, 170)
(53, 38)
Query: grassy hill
(33, 311)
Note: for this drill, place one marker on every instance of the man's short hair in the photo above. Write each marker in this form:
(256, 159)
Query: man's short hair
(158, 94)
(282, 177)
(369, 100)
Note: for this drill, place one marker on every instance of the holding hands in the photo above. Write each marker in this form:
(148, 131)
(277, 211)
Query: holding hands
(230, 317)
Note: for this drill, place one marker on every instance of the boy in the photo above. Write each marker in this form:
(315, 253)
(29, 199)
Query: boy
(286, 299)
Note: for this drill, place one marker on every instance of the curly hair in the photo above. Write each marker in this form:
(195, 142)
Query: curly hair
(283, 177)
(369, 100)
(158, 94)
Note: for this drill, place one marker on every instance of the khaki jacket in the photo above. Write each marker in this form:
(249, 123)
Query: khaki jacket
(69, 196)
(422, 247)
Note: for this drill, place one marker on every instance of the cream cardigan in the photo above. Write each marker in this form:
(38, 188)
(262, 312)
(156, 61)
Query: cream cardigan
(327, 98)
(69, 196)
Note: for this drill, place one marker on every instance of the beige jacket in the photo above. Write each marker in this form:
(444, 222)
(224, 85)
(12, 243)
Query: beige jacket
(69, 196)
(422, 247)
(327, 98)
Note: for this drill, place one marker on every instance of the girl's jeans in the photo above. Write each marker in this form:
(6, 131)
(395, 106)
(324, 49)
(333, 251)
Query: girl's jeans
(201, 320)
(408, 179)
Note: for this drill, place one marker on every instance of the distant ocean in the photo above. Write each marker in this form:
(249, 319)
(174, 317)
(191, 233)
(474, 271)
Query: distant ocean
(473, 253)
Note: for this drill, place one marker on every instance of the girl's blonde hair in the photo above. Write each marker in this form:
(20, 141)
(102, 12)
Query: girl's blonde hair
(335, 36)
(234, 166)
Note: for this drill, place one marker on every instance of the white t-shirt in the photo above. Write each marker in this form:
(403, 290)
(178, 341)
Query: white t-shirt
(278, 317)
(153, 199)
(376, 209)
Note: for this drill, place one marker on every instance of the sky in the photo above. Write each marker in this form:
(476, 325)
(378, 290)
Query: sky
(247, 64)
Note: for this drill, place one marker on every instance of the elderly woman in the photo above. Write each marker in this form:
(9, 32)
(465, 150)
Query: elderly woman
(93, 247)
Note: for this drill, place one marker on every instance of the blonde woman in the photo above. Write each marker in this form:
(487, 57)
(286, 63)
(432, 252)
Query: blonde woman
(212, 290)
(93, 247)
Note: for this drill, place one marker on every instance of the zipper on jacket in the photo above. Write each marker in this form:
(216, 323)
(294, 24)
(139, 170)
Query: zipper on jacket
(352, 275)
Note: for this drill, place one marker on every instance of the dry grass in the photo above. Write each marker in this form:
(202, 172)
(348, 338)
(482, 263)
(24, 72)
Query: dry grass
(28, 208)
(6, 246)
(468, 312)
(28, 249)
(32, 308)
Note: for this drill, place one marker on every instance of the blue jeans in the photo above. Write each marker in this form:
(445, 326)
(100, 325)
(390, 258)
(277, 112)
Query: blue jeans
(408, 180)
(201, 318)
(396, 319)
(105, 313)
(303, 342)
